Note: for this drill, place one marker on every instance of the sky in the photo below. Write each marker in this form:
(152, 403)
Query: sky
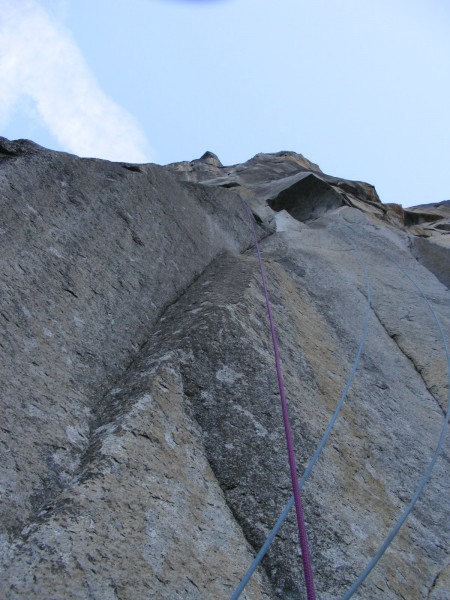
(361, 87)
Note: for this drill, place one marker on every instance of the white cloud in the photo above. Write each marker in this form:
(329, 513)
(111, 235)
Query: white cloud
(40, 59)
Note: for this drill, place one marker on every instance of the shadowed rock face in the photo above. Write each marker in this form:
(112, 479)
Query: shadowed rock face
(431, 244)
(308, 199)
(143, 452)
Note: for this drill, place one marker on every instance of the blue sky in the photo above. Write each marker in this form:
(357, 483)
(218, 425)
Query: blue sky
(361, 87)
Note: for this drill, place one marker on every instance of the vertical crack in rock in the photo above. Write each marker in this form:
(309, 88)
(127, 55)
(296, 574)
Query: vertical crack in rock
(397, 338)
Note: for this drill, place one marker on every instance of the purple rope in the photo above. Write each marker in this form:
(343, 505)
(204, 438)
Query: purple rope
(302, 535)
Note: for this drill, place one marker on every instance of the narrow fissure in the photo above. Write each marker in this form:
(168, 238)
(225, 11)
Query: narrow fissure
(396, 339)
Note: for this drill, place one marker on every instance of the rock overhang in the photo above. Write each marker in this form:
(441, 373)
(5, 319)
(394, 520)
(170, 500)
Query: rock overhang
(308, 199)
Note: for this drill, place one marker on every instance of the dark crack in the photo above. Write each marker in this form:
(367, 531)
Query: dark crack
(396, 338)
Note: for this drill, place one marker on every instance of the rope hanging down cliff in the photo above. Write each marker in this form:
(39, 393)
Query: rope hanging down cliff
(276, 528)
(302, 534)
(422, 483)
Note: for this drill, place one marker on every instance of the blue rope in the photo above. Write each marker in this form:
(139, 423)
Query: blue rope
(258, 558)
(422, 482)
(428, 470)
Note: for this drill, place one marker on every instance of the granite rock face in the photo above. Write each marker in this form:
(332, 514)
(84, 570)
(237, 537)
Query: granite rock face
(143, 451)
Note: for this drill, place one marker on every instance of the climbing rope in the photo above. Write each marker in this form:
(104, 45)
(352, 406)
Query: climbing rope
(302, 534)
(427, 473)
(428, 470)
(273, 533)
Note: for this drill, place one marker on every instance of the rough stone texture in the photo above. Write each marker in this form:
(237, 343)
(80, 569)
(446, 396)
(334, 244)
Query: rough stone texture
(143, 452)
(83, 286)
(92, 253)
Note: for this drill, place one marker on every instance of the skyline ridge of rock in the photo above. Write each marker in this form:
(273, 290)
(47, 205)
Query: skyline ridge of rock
(142, 446)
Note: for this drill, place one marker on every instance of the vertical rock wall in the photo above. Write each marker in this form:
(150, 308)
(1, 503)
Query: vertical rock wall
(143, 453)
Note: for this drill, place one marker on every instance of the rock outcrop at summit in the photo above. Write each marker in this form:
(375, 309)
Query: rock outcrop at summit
(143, 452)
